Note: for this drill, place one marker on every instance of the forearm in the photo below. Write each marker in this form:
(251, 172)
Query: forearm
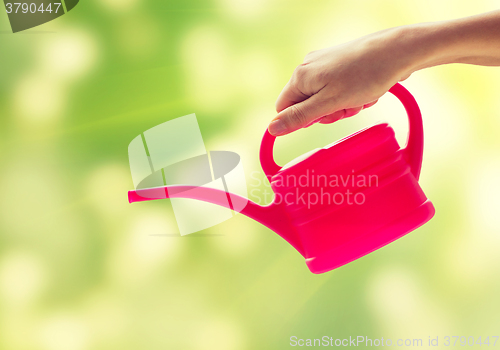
(472, 40)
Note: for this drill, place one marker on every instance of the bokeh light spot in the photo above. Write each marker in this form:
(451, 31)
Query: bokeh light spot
(64, 332)
(219, 334)
(151, 242)
(245, 9)
(39, 99)
(69, 54)
(484, 200)
(22, 277)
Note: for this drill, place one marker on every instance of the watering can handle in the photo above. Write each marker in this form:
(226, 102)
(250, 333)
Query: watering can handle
(414, 147)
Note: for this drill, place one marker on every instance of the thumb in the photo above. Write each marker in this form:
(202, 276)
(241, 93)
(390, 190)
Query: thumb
(299, 115)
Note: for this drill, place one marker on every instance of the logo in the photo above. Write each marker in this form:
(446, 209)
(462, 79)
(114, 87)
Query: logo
(173, 153)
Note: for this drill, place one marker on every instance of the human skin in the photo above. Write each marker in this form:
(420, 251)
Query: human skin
(340, 81)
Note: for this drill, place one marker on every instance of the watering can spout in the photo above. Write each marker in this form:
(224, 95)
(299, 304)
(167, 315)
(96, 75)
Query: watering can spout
(272, 216)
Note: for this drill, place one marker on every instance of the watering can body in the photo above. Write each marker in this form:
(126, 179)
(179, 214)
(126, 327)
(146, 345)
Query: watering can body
(341, 202)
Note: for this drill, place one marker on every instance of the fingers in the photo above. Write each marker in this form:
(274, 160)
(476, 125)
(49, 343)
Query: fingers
(299, 115)
(352, 111)
(289, 96)
(370, 104)
(333, 117)
(296, 111)
(344, 113)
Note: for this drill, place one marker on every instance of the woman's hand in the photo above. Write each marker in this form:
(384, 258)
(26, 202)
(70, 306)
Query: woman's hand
(340, 81)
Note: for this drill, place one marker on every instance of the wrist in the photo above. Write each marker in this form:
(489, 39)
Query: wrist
(429, 44)
(404, 49)
(418, 46)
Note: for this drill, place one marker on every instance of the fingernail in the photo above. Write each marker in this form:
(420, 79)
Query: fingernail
(277, 127)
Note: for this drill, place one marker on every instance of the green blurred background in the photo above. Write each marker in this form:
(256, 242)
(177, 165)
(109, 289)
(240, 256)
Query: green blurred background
(79, 267)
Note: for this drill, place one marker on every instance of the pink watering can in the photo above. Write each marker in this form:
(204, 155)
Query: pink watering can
(339, 203)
